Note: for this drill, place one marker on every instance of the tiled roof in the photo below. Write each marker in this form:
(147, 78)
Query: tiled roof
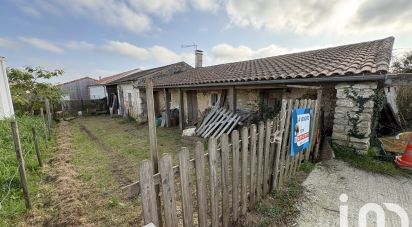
(109, 79)
(154, 72)
(83, 78)
(360, 58)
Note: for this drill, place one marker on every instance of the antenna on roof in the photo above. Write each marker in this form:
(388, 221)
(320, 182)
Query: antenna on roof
(194, 45)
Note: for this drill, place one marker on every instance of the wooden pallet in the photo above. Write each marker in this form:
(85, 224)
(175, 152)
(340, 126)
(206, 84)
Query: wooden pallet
(217, 122)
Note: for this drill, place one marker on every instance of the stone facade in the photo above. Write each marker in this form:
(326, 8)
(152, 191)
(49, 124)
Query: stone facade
(353, 120)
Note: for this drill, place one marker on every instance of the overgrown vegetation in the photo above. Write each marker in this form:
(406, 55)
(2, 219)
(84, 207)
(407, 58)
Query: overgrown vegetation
(404, 98)
(29, 87)
(264, 112)
(283, 209)
(11, 199)
(369, 162)
(307, 167)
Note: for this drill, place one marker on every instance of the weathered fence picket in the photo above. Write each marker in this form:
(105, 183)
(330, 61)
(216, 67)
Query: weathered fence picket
(242, 171)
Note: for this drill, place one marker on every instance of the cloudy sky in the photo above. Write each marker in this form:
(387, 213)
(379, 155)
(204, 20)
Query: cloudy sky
(102, 37)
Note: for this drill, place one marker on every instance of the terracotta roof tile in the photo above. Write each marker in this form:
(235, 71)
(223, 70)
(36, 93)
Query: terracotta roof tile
(366, 57)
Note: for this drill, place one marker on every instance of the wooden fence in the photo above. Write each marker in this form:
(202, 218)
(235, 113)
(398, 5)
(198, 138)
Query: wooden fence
(235, 173)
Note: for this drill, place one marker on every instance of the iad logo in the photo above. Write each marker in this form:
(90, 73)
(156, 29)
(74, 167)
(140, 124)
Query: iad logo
(372, 207)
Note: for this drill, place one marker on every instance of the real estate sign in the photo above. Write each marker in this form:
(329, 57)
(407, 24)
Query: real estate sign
(300, 130)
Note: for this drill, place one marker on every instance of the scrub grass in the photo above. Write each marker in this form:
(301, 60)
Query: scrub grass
(12, 207)
(369, 162)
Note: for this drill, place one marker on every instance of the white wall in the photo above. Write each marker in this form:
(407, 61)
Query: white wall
(97, 92)
(133, 108)
(6, 104)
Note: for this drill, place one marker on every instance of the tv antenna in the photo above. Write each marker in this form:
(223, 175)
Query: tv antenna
(194, 45)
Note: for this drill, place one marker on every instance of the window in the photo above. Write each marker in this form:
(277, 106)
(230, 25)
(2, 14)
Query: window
(129, 96)
(214, 98)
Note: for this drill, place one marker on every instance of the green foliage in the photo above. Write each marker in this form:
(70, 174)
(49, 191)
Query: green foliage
(264, 112)
(12, 203)
(367, 162)
(29, 88)
(307, 167)
(404, 98)
(403, 65)
(355, 119)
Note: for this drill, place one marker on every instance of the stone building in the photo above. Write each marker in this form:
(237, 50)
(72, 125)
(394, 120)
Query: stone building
(348, 77)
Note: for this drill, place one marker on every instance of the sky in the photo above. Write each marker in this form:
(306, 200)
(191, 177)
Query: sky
(103, 37)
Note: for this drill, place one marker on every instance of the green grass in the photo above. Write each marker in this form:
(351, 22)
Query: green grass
(105, 203)
(12, 207)
(283, 206)
(368, 162)
(307, 167)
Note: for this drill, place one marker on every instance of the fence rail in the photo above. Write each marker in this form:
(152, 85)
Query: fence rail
(241, 169)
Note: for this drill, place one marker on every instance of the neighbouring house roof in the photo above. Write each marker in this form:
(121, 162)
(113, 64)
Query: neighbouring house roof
(83, 78)
(109, 79)
(158, 72)
(371, 57)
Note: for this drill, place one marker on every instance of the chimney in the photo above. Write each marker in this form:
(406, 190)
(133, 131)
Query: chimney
(198, 58)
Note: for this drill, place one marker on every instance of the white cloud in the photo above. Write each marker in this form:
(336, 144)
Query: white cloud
(206, 5)
(79, 45)
(228, 53)
(7, 43)
(41, 44)
(163, 8)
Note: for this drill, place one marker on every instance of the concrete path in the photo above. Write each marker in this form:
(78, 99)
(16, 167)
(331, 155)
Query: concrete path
(320, 203)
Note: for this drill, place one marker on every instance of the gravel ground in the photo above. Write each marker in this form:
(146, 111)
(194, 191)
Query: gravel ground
(320, 203)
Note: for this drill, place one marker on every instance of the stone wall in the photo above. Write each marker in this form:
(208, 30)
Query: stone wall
(353, 120)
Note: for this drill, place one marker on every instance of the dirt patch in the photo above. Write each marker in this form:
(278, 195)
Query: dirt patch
(119, 164)
(67, 196)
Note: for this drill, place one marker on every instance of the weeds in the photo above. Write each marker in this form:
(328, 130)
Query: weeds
(307, 167)
(367, 162)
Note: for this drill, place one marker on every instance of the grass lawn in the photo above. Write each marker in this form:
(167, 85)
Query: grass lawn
(12, 206)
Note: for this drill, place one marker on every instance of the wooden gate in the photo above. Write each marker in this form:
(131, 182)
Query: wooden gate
(217, 187)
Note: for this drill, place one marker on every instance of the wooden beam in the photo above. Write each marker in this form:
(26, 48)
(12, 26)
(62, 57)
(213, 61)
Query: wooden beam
(152, 125)
(181, 111)
(167, 104)
(232, 99)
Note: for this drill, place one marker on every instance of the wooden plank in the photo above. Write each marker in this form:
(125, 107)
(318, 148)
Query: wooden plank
(277, 160)
(315, 124)
(231, 121)
(289, 160)
(207, 118)
(201, 184)
(36, 146)
(218, 121)
(285, 141)
(168, 190)
(212, 146)
(153, 137)
(245, 143)
(185, 182)
(260, 160)
(235, 174)
(225, 121)
(225, 180)
(253, 138)
(20, 160)
(266, 158)
(233, 125)
(167, 105)
(181, 110)
(272, 152)
(211, 121)
(149, 201)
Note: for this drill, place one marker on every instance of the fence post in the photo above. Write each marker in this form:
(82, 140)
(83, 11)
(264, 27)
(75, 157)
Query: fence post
(266, 172)
(260, 160)
(235, 174)
(36, 146)
(285, 141)
(225, 180)
(168, 186)
(20, 160)
(213, 181)
(48, 112)
(185, 180)
(149, 197)
(201, 184)
(277, 161)
(46, 129)
(253, 138)
(245, 143)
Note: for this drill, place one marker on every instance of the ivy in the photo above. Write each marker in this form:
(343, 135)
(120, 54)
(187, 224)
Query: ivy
(354, 120)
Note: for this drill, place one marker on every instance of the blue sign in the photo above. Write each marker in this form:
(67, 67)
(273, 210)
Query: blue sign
(300, 130)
